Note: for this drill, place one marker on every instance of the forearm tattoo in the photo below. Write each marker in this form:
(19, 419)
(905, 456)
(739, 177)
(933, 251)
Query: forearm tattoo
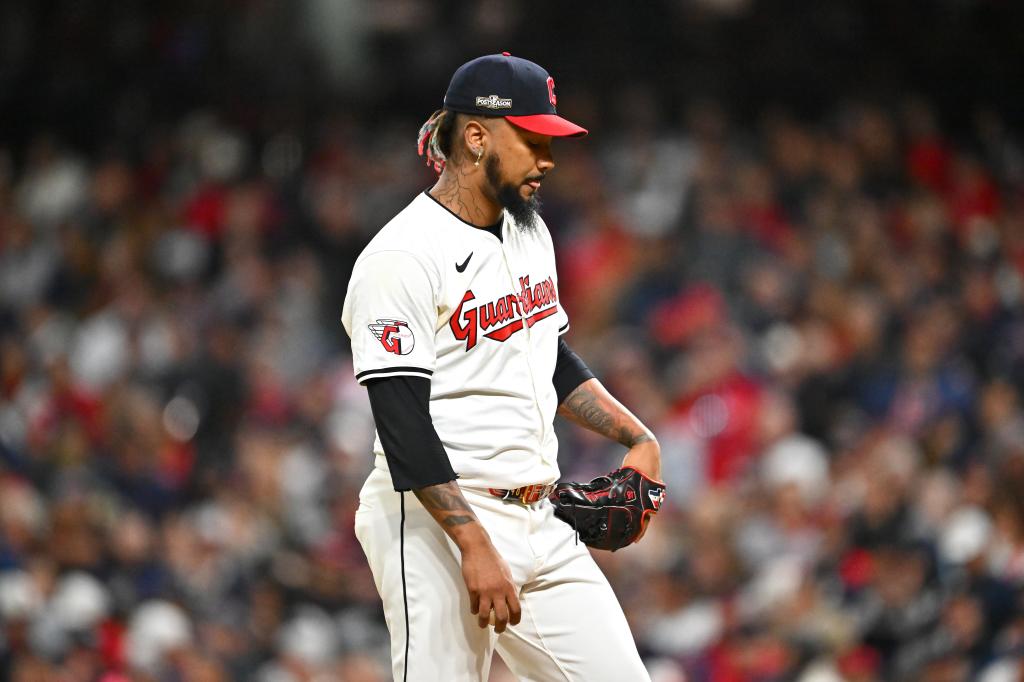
(601, 413)
(446, 504)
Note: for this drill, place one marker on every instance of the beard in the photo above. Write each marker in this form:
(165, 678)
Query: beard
(523, 211)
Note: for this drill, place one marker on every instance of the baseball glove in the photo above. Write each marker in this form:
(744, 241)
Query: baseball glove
(611, 511)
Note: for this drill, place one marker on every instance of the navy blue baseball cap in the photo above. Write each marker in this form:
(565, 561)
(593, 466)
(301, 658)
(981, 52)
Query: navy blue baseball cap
(515, 88)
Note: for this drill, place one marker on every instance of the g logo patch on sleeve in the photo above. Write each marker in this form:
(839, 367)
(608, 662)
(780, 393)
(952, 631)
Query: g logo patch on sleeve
(394, 335)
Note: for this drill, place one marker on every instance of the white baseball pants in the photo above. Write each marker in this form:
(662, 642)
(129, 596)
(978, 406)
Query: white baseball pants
(572, 627)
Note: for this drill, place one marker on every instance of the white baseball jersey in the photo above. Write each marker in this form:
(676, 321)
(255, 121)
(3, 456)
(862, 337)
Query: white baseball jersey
(433, 296)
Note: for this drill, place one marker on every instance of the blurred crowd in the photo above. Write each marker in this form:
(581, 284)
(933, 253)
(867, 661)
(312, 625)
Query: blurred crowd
(823, 321)
(820, 316)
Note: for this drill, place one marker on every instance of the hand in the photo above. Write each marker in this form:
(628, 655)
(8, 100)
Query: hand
(611, 511)
(486, 574)
(490, 586)
(646, 458)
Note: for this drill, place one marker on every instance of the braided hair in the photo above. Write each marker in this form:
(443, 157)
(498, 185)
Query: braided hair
(434, 140)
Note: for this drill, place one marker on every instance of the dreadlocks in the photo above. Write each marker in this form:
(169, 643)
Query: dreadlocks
(435, 138)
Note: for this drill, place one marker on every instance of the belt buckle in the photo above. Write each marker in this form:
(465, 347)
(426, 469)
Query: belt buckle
(527, 494)
(532, 493)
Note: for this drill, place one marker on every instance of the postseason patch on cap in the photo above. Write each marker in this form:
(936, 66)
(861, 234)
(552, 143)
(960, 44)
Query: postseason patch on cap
(494, 102)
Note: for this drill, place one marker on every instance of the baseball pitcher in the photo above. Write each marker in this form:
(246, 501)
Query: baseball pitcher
(456, 325)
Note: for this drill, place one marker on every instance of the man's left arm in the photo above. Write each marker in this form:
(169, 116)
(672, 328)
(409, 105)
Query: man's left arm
(591, 406)
(612, 510)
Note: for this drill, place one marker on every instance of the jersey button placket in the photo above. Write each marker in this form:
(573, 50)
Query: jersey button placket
(528, 339)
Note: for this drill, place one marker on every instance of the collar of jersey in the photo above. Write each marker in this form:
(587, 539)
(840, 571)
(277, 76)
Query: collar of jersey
(494, 229)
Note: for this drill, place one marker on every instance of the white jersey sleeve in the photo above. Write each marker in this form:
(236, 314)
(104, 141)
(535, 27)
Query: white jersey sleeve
(390, 313)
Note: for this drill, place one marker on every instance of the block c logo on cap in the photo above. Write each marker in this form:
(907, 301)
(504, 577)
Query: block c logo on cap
(394, 335)
(551, 91)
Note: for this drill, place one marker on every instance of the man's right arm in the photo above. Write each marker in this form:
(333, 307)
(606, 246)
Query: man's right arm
(390, 313)
(486, 574)
(418, 462)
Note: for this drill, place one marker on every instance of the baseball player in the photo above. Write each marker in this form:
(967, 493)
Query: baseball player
(455, 320)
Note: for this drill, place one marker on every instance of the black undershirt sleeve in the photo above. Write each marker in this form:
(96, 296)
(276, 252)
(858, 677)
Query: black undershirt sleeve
(401, 409)
(570, 371)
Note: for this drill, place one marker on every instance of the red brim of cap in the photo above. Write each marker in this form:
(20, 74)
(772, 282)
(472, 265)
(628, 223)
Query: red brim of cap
(547, 124)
